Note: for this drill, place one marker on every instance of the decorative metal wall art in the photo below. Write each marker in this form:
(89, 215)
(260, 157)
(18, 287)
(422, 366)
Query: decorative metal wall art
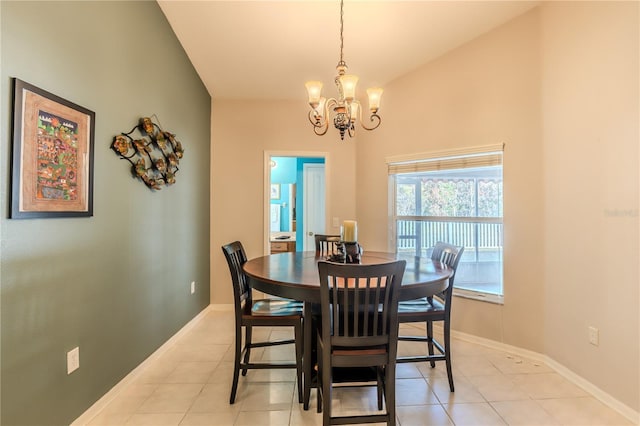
(154, 155)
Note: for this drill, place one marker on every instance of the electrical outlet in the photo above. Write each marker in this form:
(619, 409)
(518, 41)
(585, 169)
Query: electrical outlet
(73, 360)
(193, 287)
(335, 222)
(594, 336)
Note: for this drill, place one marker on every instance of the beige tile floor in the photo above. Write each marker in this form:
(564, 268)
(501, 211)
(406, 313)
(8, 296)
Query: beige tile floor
(189, 384)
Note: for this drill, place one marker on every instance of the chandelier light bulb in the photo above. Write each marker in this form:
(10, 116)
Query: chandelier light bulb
(314, 89)
(348, 84)
(320, 108)
(353, 113)
(374, 94)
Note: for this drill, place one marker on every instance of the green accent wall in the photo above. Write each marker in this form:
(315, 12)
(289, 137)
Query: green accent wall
(116, 284)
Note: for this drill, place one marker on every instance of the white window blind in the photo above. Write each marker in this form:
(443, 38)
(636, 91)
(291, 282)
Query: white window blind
(483, 156)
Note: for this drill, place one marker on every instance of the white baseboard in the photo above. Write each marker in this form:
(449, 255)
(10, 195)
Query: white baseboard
(100, 404)
(626, 411)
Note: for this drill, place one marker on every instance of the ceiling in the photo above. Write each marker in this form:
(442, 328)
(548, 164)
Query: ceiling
(268, 49)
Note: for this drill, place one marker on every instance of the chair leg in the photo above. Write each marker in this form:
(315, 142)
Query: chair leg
(306, 353)
(447, 354)
(247, 344)
(381, 385)
(319, 388)
(236, 367)
(390, 393)
(319, 397)
(430, 341)
(299, 337)
(326, 392)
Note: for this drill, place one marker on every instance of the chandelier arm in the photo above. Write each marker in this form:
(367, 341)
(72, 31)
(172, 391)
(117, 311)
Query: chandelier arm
(314, 118)
(375, 119)
(321, 130)
(330, 103)
(320, 124)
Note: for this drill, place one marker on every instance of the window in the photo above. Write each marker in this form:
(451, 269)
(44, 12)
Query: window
(454, 197)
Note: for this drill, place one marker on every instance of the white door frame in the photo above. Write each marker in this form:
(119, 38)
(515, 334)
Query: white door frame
(267, 187)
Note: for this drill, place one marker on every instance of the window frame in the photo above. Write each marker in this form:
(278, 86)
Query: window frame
(406, 165)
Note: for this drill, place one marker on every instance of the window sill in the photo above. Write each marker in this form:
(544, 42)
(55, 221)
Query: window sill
(482, 297)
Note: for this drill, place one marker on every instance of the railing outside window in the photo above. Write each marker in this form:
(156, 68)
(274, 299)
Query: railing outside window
(480, 268)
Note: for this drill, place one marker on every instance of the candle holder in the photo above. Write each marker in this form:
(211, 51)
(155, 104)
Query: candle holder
(347, 252)
(352, 252)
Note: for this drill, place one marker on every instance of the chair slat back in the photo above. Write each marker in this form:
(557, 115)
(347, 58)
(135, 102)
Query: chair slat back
(450, 255)
(360, 302)
(236, 258)
(326, 244)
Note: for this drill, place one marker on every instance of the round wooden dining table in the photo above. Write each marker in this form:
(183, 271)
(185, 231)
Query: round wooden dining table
(294, 275)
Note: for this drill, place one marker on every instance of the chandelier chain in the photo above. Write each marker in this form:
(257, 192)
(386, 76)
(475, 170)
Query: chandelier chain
(341, 32)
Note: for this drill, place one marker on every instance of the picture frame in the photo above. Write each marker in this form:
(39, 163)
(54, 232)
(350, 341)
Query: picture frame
(275, 191)
(52, 158)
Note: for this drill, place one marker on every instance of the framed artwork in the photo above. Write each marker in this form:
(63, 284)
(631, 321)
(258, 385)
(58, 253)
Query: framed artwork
(275, 191)
(52, 167)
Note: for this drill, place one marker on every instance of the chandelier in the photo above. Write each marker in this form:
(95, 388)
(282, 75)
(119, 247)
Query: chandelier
(346, 109)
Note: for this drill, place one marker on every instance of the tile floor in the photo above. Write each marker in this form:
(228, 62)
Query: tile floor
(189, 384)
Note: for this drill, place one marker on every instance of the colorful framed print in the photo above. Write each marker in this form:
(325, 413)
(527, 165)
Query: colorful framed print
(52, 167)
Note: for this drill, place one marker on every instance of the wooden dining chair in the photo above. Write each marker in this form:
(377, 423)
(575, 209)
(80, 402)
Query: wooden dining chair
(251, 313)
(358, 329)
(326, 245)
(430, 309)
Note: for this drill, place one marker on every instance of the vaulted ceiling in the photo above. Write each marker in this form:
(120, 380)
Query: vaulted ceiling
(268, 49)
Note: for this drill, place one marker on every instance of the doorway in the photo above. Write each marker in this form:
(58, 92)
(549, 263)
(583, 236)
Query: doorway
(295, 206)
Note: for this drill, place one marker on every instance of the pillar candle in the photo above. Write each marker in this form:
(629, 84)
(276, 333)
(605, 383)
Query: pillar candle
(350, 229)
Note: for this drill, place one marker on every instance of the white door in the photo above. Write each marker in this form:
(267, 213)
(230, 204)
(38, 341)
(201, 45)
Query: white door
(313, 201)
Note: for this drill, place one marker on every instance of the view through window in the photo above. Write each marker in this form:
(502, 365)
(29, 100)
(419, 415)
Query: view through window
(461, 205)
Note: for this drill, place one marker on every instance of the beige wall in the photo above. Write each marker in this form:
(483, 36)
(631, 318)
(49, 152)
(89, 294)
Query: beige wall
(590, 143)
(485, 92)
(559, 86)
(241, 133)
